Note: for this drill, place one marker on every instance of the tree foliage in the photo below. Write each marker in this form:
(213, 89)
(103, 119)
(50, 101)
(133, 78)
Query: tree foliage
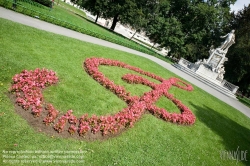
(188, 27)
(238, 65)
(96, 7)
(121, 10)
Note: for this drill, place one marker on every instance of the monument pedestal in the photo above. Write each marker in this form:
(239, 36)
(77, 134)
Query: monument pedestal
(207, 73)
(216, 59)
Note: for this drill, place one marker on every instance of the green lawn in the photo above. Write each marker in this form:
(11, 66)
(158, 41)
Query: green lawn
(70, 17)
(218, 126)
(69, 7)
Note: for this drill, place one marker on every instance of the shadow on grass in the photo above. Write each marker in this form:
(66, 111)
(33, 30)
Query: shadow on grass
(233, 134)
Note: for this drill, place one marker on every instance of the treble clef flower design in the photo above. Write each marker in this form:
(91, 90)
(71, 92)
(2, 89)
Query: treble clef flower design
(136, 105)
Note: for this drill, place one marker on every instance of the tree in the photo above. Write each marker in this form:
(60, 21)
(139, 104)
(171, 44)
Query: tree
(188, 27)
(140, 19)
(96, 7)
(120, 10)
(239, 73)
(163, 29)
(137, 23)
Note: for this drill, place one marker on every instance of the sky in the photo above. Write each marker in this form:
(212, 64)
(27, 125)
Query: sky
(239, 4)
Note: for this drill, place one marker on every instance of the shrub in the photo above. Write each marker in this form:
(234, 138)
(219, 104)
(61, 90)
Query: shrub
(47, 3)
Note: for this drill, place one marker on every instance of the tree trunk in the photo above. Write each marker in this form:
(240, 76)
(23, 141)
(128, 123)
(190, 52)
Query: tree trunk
(115, 20)
(133, 35)
(153, 45)
(14, 4)
(97, 17)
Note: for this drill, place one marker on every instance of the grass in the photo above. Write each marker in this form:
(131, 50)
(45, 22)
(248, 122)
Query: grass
(151, 141)
(75, 19)
(70, 8)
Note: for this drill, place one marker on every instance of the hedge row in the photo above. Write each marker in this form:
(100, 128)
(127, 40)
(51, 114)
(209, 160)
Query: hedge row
(47, 3)
(31, 2)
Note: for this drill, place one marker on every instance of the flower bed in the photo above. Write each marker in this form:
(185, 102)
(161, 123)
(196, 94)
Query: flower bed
(28, 87)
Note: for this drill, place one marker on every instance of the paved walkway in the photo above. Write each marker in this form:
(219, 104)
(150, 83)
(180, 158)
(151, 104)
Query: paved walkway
(36, 23)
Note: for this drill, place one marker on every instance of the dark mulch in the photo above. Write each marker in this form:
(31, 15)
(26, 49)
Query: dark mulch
(40, 127)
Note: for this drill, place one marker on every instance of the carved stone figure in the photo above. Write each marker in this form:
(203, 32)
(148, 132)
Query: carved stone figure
(211, 49)
(228, 42)
(199, 61)
(221, 72)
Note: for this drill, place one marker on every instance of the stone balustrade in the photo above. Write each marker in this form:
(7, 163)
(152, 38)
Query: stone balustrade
(233, 88)
(223, 83)
(184, 62)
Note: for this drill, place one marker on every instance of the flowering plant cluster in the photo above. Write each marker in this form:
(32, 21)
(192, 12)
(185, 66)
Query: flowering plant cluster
(52, 114)
(28, 86)
(68, 117)
(138, 105)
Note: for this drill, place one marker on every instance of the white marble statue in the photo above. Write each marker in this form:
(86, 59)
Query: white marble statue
(211, 49)
(221, 72)
(228, 42)
(199, 61)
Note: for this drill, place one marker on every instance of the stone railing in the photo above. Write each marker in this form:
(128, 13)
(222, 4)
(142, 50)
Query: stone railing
(184, 62)
(233, 88)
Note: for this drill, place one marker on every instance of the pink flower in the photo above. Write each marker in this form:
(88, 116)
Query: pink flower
(28, 87)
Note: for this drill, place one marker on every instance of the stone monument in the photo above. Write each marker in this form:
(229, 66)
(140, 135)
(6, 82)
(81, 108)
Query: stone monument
(212, 69)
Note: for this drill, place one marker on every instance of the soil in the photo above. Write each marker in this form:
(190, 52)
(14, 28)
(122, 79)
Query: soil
(40, 127)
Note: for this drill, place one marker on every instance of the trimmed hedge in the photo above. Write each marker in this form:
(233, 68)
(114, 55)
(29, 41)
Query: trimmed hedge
(47, 3)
